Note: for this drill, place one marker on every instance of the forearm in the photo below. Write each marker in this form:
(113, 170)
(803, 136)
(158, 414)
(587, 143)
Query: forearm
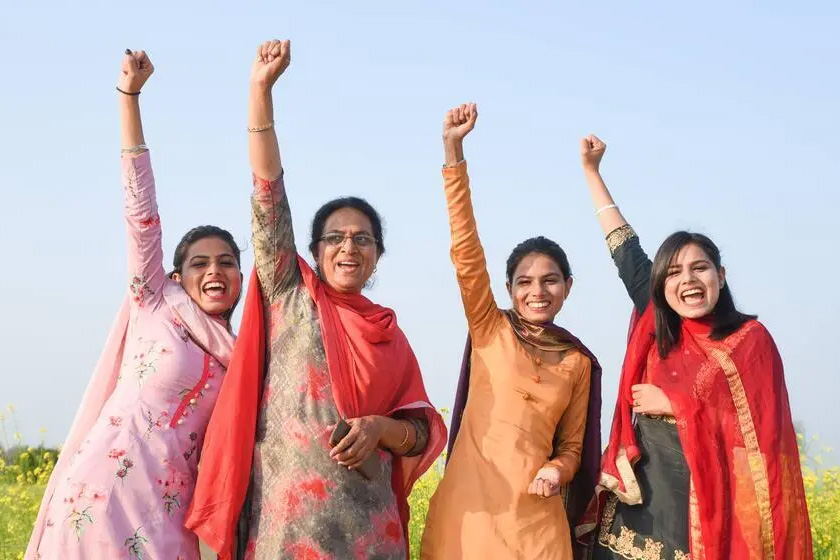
(131, 126)
(263, 147)
(453, 151)
(610, 216)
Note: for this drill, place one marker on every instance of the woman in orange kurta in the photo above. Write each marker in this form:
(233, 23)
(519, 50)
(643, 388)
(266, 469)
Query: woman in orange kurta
(523, 425)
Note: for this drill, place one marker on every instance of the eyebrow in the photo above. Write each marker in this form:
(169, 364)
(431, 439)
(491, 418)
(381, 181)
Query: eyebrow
(194, 257)
(528, 277)
(692, 263)
(344, 233)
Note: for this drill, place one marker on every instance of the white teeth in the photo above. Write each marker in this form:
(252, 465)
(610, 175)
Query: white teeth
(692, 292)
(538, 304)
(214, 285)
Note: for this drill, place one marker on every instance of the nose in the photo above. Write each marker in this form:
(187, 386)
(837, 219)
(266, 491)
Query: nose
(213, 268)
(687, 275)
(348, 245)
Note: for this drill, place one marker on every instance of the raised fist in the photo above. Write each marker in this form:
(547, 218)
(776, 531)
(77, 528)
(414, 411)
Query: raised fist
(272, 59)
(591, 151)
(136, 69)
(459, 121)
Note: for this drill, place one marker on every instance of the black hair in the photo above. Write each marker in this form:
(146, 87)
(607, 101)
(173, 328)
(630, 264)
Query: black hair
(543, 246)
(356, 203)
(726, 319)
(197, 234)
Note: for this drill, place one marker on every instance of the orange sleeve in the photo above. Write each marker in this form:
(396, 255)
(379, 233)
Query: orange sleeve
(570, 431)
(483, 317)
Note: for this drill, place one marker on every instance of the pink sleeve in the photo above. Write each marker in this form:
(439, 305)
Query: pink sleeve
(145, 252)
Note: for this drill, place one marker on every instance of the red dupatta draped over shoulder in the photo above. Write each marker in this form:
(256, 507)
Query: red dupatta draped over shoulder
(373, 370)
(733, 417)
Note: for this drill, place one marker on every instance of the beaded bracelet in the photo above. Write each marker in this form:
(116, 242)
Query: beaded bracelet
(262, 128)
(135, 150)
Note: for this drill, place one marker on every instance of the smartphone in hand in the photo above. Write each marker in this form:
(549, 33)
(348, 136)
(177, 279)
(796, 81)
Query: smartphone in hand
(370, 466)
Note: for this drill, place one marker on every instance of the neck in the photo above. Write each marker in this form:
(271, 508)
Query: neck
(700, 325)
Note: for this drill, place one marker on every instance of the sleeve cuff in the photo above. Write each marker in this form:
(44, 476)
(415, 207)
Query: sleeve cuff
(619, 236)
(457, 170)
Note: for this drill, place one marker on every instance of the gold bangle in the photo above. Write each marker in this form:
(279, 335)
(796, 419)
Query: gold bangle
(262, 128)
(134, 150)
(405, 439)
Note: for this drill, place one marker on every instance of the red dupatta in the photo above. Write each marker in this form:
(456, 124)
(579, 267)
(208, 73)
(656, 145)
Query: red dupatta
(373, 371)
(733, 417)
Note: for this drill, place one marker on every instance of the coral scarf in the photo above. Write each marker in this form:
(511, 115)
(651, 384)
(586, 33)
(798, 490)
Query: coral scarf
(373, 371)
(733, 416)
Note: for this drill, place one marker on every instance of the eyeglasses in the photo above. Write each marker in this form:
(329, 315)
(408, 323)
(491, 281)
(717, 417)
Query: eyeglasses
(336, 239)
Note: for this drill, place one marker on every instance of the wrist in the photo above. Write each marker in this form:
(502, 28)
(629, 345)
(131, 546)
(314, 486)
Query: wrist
(452, 141)
(128, 91)
(379, 427)
(261, 87)
(591, 170)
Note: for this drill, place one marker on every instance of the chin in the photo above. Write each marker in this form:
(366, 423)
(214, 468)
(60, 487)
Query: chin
(347, 288)
(215, 309)
(694, 313)
(543, 317)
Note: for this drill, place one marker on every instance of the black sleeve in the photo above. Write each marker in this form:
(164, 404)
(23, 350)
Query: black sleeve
(634, 266)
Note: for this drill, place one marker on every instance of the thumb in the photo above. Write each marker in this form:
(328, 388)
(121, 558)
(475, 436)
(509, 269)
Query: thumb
(128, 60)
(584, 145)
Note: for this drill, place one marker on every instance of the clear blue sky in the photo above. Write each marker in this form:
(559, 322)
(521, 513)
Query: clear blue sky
(718, 118)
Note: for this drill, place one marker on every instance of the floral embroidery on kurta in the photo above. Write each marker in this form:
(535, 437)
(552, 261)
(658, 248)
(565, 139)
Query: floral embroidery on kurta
(125, 492)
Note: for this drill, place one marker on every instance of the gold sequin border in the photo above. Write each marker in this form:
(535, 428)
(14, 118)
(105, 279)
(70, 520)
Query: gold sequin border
(625, 544)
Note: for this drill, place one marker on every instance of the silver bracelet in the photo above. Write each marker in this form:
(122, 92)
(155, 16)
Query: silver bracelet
(135, 150)
(605, 208)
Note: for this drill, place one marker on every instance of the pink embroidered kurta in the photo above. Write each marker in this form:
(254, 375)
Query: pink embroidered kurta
(125, 488)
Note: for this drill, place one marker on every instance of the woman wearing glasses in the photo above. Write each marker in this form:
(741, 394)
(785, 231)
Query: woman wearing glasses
(332, 359)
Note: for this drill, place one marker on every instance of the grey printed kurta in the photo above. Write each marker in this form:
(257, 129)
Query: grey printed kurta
(302, 504)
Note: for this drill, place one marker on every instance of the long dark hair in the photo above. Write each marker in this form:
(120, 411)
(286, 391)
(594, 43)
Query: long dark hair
(543, 246)
(726, 319)
(197, 234)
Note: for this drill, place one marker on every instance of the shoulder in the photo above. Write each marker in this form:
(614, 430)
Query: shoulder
(751, 334)
(578, 363)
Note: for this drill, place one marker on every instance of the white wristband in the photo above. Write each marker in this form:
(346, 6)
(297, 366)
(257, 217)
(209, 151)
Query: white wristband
(604, 209)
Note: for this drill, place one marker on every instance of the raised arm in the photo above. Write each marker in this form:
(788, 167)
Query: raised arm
(483, 316)
(275, 256)
(633, 264)
(145, 251)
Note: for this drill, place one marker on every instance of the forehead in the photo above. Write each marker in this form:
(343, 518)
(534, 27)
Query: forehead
(348, 220)
(536, 265)
(209, 246)
(688, 254)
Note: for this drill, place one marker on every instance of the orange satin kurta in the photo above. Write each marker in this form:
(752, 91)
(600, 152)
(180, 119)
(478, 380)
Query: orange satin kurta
(517, 407)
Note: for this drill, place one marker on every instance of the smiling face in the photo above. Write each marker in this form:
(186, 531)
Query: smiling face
(538, 288)
(210, 275)
(692, 284)
(347, 253)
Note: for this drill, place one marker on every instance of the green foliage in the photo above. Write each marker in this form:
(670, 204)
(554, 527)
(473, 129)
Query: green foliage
(24, 473)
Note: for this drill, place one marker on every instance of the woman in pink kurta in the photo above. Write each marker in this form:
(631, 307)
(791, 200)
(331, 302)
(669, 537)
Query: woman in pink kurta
(126, 472)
